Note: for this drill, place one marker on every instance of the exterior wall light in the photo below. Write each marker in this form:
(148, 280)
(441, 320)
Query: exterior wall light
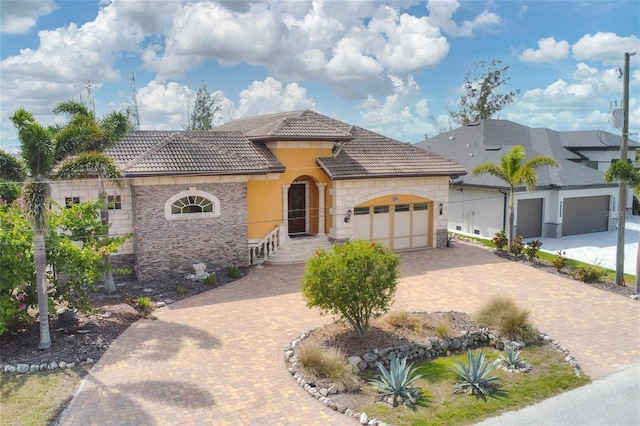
(441, 207)
(347, 217)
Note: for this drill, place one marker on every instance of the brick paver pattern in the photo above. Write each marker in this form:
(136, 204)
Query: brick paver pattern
(217, 358)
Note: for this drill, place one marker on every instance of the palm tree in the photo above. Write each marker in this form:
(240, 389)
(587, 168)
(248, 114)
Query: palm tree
(42, 155)
(93, 135)
(625, 172)
(514, 173)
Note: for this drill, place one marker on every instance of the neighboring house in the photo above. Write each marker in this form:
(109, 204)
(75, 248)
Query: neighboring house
(254, 186)
(572, 199)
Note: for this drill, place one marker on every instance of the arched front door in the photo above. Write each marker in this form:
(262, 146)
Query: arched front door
(297, 208)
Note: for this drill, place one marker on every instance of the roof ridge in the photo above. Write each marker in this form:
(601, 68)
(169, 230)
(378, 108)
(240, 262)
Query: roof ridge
(151, 150)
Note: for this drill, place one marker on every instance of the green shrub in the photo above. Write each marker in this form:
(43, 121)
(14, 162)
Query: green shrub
(211, 279)
(475, 377)
(517, 245)
(588, 273)
(531, 249)
(396, 382)
(234, 271)
(506, 318)
(143, 304)
(180, 290)
(355, 280)
(559, 261)
(500, 240)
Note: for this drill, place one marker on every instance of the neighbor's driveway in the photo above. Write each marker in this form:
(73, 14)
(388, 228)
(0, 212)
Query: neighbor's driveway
(217, 358)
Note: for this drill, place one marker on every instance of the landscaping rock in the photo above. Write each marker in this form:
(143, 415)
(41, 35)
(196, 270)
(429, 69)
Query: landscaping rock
(364, 419)
(22, 368)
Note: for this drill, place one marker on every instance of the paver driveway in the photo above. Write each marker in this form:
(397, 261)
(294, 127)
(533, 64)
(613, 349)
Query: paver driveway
(217, 358)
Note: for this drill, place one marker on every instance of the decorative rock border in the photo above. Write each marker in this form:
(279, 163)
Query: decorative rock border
(413, 351)
(32, 368)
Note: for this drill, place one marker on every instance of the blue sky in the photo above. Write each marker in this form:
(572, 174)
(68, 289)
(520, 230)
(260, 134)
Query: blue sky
(385, 66)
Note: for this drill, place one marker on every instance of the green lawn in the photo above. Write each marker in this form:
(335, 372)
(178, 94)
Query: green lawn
(439, 406)
(37, 398)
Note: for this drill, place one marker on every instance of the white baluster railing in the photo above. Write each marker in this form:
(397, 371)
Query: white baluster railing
(260, 250)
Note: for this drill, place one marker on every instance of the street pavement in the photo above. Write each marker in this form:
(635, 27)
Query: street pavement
(614, 400)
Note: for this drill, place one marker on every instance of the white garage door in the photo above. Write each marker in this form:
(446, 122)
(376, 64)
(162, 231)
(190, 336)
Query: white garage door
(398, 227)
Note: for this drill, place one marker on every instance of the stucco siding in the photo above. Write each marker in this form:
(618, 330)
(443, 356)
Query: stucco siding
(121, 220)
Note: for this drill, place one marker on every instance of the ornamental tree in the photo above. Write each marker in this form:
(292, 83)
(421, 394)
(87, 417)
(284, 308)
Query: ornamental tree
(355, 281)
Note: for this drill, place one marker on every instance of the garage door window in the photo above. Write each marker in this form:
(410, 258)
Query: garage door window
(420, 207)
(361, 210)
(402, 208)
(381, 209)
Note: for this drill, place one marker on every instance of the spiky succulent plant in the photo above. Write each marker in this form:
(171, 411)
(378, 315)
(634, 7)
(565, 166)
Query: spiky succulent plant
(396, 382)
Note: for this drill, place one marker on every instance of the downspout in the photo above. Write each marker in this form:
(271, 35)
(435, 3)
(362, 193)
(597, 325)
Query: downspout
(504, 211)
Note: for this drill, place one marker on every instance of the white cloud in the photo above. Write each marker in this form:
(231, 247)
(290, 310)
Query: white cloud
(559, 95)
(441, 16)
(549, 50)
(20, 16)
(163, 106)
(608, 48)
(333, 42)
(402, 115)
(269, 96)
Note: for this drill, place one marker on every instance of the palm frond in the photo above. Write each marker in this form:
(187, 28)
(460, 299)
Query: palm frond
(89, 164)
(36, 143)
(72, 108)
(623, 172)
(81, 134)
(116, 125)
(11, 169)
(36, 193)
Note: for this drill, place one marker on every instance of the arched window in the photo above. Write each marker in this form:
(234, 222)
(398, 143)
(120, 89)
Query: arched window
(192, 204)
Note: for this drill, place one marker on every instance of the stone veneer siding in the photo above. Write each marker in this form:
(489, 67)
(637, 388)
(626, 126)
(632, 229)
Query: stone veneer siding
(169, 247)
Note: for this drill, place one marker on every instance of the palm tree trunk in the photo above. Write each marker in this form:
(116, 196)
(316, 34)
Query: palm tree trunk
(40, 254)
(512, 197)
(109, 282)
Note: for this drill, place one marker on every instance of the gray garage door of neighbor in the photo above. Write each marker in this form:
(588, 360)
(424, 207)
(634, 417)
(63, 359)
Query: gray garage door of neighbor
(529, 218)
(584, 214)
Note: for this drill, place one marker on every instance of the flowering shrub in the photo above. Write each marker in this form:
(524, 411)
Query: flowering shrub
(17, 273)
(75, 246)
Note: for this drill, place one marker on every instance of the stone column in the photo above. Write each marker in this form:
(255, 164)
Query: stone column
(285, 210)
(321, 196)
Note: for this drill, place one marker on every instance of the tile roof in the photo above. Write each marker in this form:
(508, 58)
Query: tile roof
(372, 155)
(287, 126)
(488, 140)
(363, 153)
(191, 152)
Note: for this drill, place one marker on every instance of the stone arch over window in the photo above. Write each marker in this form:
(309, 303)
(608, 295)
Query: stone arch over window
(191, 204)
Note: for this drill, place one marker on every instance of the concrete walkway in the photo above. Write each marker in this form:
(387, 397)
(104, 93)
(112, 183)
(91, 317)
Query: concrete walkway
(217, 358)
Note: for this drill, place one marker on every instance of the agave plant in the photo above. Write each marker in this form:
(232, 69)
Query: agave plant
(396, 382)
(512, 356)
(475, 377)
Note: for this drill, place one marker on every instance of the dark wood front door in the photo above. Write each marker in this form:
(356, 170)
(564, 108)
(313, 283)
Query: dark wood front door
(297, 208)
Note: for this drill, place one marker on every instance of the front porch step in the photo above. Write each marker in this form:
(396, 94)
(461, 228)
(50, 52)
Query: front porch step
(298, 250)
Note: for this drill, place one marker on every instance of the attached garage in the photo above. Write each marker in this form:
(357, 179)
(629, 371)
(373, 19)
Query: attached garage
(529, 221)
(399, 227)
(582, 215)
